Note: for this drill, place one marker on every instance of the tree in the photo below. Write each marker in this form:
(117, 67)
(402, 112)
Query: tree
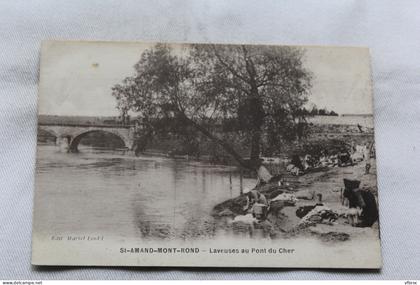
(314, 111)
(263, 88)
(323, 112)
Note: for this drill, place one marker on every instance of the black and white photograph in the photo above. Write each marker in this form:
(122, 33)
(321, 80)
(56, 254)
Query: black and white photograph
(221, 155)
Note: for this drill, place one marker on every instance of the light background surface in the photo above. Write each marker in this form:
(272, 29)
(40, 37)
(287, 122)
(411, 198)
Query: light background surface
(390, 28)
(81, 75)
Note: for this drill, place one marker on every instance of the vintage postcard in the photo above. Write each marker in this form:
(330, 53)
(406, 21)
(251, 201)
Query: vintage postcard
(155, 154)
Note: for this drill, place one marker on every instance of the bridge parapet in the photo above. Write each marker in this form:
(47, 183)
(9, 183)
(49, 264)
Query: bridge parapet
(68, 136)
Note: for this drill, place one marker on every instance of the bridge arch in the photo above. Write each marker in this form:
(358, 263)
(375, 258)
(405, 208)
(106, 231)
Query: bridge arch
(44, 133)
(50, 131)
(76, 138)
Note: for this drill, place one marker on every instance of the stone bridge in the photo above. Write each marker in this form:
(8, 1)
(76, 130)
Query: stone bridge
(68, 136)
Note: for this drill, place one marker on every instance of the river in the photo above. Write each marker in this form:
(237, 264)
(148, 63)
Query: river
(110, 193)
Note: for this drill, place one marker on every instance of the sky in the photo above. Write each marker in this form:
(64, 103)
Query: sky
(76, 77)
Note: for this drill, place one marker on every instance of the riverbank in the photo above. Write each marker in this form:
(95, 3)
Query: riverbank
(330, 225)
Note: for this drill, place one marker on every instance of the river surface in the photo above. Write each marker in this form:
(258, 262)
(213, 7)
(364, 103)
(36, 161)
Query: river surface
(116, 194)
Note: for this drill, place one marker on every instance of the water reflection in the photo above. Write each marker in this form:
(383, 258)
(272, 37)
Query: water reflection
(108, 192)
